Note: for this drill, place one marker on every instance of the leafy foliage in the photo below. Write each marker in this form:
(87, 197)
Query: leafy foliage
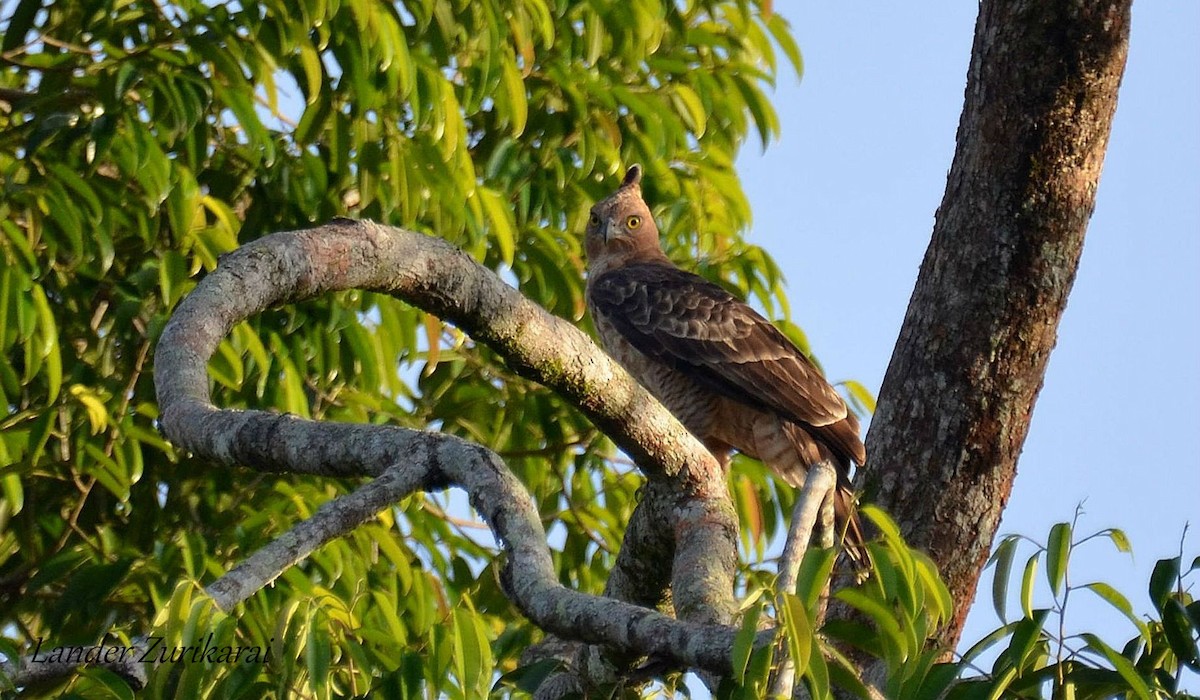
(905, 601)
(141, 140)
(1043, 660)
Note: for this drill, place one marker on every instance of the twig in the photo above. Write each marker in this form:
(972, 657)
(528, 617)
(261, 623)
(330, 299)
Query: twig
(818, 486)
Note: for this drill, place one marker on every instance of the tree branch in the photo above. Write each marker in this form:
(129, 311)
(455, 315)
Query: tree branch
(438, 278)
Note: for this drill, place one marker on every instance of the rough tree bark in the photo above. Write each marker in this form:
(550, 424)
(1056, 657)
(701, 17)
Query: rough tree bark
(956, 401)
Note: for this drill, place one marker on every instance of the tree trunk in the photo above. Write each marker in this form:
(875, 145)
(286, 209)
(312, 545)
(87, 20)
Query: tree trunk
(957, 398)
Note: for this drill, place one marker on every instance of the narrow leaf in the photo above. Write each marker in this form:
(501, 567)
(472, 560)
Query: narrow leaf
(1180, 634)
(1025, 638)
(1122, 665)
(1058, 550)
(1003, 558)
(799, 631)
(743, 643)
(1027, 580)
(1119, 539)
(1163, 580)
(503, 231)
(1116, 599)
(514, 90)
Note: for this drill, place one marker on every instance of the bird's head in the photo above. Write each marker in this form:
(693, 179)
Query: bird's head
(620, 227)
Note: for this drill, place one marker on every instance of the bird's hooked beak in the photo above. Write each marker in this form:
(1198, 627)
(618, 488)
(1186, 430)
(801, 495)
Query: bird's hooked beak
(612, 229)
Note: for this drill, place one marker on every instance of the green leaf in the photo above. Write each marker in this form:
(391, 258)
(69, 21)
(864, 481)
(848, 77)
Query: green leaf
(1114, 598)
(39, 433)
(799, 631)
(172, 275)
(1181, 635)
(1003, 559)
(815, 570)
(502, 229)
(318, 655)
(226, 366)
(844, 674)
(937, 593)
(183, 204)
(1119, 539)
(1122, 665)
(528, 678)
(97, 412)
(516, 101)
(987, 642)
(294, 399)
(1163, 581)
(743, 642)
(1027, 581)
(1058, 551)
(14, 493)
(998, 685)
(466, 651)
(48, 330)
(690, 107)
(764, 114)
(884, 619)
(312, 71)
(860, 394)
(783, 37)
(1025, 638)
(80, 188)
(818, 676)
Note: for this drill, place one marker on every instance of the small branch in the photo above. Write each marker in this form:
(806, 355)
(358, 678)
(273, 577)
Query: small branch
(462, 524)
(818, 484)
(32, 670)
(810, 504)
(332, 520)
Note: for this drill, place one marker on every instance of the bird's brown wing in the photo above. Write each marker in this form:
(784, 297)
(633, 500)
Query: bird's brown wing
(696, 327)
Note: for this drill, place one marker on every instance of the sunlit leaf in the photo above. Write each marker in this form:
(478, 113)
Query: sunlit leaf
(1122, 665)
(1003, 559)
(96, 411)
(1027, 582)
(1058, 549)
(799, 631)
(1117, 600)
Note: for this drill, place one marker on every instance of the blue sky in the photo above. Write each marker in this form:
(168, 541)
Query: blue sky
(845, 203)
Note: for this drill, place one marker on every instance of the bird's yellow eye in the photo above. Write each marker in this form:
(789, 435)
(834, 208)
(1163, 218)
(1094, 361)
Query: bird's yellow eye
(633, 222)
(594, 220)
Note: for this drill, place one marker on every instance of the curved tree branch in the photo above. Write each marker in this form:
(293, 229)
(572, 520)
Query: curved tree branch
(439, 278)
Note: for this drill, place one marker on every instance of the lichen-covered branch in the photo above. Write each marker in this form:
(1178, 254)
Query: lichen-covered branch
(36, 668)
(431, 274)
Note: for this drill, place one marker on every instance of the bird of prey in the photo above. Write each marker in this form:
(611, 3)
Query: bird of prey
(731, 377)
